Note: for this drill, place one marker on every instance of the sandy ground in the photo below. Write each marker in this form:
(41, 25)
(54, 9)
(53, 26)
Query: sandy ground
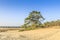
(38, 34)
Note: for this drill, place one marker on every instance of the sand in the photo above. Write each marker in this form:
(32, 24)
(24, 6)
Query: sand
(38, 34)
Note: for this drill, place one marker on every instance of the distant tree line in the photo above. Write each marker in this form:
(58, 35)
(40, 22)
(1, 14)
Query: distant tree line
(9, 26)
(52, 23)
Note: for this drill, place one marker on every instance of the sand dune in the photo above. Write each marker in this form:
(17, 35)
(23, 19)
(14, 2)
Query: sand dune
(38, 34)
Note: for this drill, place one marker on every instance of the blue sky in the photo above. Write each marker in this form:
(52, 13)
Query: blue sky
(13, 12)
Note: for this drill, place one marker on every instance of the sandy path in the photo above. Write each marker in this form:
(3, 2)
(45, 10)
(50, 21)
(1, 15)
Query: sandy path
(38, 34)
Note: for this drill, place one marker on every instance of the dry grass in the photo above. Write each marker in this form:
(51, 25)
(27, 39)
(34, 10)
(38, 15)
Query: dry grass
(37, 34)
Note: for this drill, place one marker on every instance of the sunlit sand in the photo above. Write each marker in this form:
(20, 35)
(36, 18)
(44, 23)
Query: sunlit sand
(38, 34)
